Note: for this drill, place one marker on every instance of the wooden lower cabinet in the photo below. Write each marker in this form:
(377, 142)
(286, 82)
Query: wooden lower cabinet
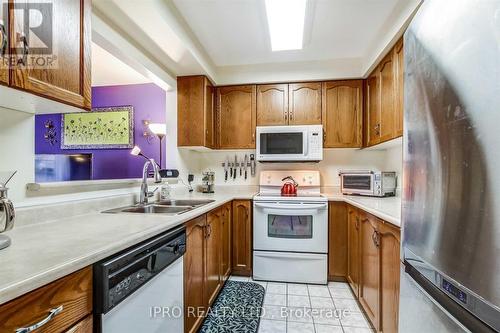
(373, 266)
(194, 274)
(337, 244)
(84, 326)
(353, 259)
(369, 290)
(242, 237)
(72, 293)
(207, 263)
(226, 219)
(213, 255)
(390, 244)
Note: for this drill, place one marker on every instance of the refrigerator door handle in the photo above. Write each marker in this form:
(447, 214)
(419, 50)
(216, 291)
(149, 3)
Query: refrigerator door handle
(472, 323)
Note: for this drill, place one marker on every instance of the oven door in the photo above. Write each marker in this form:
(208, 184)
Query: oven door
(290, 227)
(357, 183)
(282, 143)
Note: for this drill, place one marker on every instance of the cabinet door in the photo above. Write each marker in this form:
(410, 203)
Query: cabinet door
(272, 104)
(236, 110)
(213, 248)
(194, 274)
(195, 111)
(389, 277)
(372, 110)
(304, 106)
(226, 241)
(4, 44)
(84, 326)
(190, 110)
(342, 114)
(68, 78)
(399, 86)
(337, 240)
(72, 295)
(242, 237)
(209, 118)
(353, 256)
(387, 98)
(369, 291)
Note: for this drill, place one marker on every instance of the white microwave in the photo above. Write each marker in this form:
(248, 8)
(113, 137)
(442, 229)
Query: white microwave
(290, 143)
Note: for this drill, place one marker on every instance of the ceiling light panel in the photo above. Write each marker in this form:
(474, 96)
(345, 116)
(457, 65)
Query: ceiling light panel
(286, 23)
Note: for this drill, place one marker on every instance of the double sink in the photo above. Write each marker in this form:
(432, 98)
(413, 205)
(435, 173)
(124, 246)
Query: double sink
(167, 207)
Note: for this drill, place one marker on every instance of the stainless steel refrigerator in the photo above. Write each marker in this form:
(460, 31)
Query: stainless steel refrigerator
(450, 278)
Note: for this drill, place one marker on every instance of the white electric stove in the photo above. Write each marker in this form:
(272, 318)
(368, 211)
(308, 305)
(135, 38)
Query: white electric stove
(290, 242)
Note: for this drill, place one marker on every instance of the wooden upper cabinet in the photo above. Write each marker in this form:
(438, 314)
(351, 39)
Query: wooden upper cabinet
(369, 291)
(390, 245)
(353, 255)
(387, 98)
(304, 103)
(372, 110)
(399, 86)
(4, 44)
(213, 255)
(68, 79)
(272, 104)
(226, 236)
(236, 117)
(242, 237)
(195, 112)
(194, 272)
(342, 114)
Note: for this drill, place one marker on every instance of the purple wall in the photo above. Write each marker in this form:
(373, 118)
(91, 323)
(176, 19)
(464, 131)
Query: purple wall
(148, 101)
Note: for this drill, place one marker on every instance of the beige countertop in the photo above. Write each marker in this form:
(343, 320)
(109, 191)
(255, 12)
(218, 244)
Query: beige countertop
(43, 252)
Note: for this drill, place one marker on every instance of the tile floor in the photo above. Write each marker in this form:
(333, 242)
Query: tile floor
(301, 308)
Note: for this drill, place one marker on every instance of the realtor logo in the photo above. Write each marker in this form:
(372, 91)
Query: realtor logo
(32, 39)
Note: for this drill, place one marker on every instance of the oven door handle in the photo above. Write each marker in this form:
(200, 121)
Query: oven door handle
(295, 207)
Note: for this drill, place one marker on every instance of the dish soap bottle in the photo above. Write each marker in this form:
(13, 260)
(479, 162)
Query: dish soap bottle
(165, 192)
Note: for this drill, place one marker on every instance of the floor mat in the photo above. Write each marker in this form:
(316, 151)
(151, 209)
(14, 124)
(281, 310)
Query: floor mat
(236, 309)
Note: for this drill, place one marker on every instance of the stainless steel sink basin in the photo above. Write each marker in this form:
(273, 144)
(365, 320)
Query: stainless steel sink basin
(184, 202)
(152, 209)
(168, 207)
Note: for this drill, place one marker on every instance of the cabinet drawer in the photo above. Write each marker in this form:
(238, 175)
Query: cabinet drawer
(71, 295)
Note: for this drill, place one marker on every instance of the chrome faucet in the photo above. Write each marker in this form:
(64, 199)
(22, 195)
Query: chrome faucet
(145, 194)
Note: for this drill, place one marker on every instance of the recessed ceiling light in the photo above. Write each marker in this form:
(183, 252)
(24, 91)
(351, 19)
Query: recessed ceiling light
(286, 23)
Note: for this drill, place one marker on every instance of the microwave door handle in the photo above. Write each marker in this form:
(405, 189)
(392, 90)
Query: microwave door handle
(306, 145)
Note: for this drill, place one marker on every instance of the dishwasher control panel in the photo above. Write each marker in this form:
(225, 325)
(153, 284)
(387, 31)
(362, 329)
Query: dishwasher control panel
(117, 277)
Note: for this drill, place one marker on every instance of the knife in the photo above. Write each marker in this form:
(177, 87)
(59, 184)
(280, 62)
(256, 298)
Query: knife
(235, 166)
(252, 164)
(230, 168)
(226, 168)
(245, 162)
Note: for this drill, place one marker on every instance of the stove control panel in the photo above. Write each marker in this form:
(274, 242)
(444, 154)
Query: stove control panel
(304, 178)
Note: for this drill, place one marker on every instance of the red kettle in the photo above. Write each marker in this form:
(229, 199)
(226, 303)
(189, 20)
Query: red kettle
(289, 189)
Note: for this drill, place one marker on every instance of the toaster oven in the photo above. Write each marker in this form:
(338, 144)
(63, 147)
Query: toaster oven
(368, 183)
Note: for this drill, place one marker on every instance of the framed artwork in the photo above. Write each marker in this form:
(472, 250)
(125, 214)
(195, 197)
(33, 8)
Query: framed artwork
(102, 128)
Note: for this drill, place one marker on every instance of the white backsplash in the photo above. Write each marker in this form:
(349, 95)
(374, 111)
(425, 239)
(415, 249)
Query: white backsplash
(333, 161)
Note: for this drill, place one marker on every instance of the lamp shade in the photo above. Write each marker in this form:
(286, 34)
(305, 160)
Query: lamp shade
(135, 151)
(158, 129)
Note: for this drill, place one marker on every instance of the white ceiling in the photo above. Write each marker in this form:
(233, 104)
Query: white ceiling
(235, 32)
(107, 70)
(228, 40)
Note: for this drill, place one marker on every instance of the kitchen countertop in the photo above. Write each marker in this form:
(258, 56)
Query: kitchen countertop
(43, 252)
(387, 209)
